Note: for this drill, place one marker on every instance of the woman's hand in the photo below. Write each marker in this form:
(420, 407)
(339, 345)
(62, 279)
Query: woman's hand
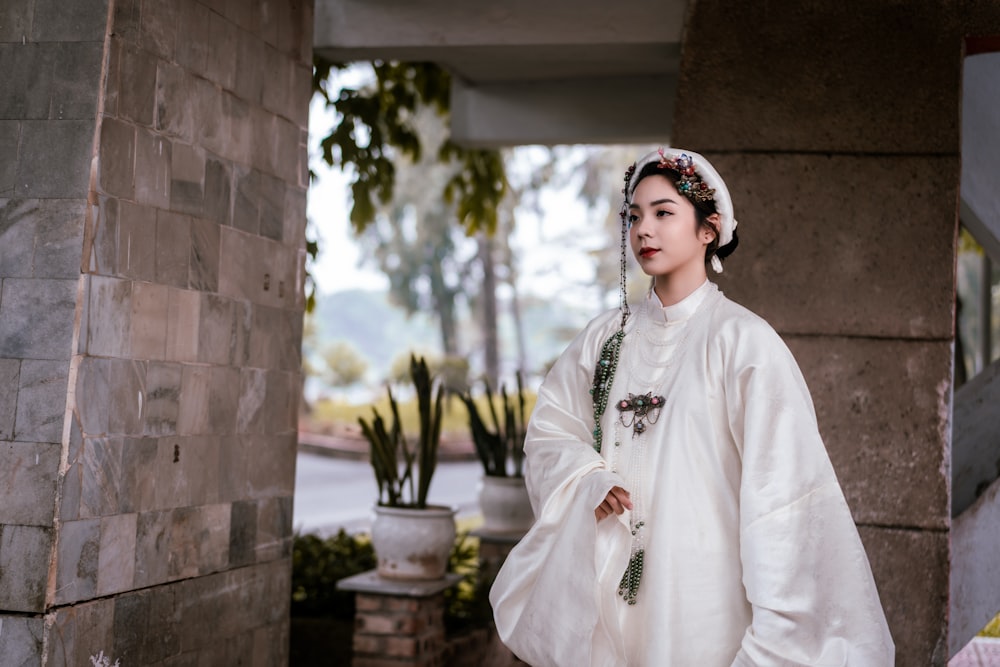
(616, 502)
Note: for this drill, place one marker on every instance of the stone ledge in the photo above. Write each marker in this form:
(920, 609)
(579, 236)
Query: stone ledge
(371, 582)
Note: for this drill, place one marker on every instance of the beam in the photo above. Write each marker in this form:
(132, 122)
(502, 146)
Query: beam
(612, 110)
(980, 207)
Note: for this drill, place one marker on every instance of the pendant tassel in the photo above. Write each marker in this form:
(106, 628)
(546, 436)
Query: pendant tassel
(628, 588)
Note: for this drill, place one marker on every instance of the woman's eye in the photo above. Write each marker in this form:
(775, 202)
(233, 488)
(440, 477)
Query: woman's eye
(632, 219)
(662, 214)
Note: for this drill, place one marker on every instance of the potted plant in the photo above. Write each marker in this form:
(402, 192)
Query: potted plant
(412, 540)
(503, 497)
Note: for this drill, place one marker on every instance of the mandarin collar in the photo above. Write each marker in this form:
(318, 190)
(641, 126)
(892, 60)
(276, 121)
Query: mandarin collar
(681, 310)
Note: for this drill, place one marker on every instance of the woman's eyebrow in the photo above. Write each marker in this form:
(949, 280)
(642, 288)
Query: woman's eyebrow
(654, 203)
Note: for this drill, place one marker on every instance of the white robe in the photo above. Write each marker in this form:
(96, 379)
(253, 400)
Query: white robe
(751, 554)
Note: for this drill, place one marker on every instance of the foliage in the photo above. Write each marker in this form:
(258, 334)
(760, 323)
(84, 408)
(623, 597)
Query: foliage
(318, 564)
(344, 365)
(375, 127)
(467, 603)
(452, 370)
(391, 456)
(505, 443)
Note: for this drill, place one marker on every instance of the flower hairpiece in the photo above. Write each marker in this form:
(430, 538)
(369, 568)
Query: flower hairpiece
(690, 184)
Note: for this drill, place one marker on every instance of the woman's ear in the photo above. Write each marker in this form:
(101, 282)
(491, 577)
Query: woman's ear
(711, 230)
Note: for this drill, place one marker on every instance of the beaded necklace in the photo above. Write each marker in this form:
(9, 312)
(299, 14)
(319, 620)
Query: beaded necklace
(638, 411)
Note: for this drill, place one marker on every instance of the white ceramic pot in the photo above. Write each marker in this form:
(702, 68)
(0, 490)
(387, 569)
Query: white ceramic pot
(413, 544)
(505, 505)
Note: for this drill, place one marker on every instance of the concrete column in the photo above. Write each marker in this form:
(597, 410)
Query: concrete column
(152, 207)
(837, 130)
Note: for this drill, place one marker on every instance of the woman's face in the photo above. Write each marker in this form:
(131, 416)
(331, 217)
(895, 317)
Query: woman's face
(664, 230)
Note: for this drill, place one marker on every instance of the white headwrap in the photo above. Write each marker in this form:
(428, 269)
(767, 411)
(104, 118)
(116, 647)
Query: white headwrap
(703, 172)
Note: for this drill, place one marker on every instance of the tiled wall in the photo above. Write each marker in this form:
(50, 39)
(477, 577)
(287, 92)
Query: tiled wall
(166, 157)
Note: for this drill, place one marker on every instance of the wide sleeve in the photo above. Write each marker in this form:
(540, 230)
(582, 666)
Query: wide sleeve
(545, 600)
(805, 571)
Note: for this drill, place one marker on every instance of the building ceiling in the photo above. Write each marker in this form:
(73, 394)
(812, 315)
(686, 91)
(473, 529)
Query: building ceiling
(527, 71)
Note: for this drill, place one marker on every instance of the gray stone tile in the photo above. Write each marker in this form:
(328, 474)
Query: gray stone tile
(125, 22)
(217, 191)
(173, 248)
(149, 321)
(17, 236)
(272, 207)
(116, 560)
(174, 111)
(128, 389)
(102, 477)
(233, 481)
(137, 97)
(54, 158)
(295, 217)
(192, 50)
(28, 473)
(262, 128)
(10, 135)
(75, 80)
(195, 394)
(93, 395)
(15, 23)
(83, 631)
(163, 389)
(249, 81)
(24, 560)
(41, 401)
(212, 130)
(165, 618)
(117, 158)
(183, 309)
(152, 169)
(131, 627)
(287, 149)
(158, 32)
(223, 45)
(246, 199)
(112, 82)
(21, 640)
(72, 480)
(240, 123)
(275, 338)
(274, 528)
(199, 540)
(109, 317)
(152, 548)
(81, 20)
(76, 563)
(243, 533)
(271, 464)
(103, 256)
(204, 264)
(187, 179)
(216, 330)
(138, 487)
(135, 245)
(58, 247)
(276, 68)
(15, 79)
(36, 318)
(10, 369)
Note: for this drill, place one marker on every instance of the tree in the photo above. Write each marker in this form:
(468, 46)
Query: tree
(344, 365)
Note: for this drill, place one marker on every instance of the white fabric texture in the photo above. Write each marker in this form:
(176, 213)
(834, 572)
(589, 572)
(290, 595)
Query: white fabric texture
(752, 557)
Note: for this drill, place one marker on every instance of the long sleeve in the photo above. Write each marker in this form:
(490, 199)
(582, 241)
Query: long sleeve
(545, 597)
(805, 572)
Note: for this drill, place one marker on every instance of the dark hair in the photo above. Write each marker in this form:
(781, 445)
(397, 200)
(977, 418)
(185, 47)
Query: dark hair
(702, 210)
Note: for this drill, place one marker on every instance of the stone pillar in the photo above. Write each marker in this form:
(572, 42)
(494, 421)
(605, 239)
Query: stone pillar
(152, 204)
(398, 622)
(838, 136)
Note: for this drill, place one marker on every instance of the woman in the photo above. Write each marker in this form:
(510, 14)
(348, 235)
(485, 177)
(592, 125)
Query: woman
(687, 512)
